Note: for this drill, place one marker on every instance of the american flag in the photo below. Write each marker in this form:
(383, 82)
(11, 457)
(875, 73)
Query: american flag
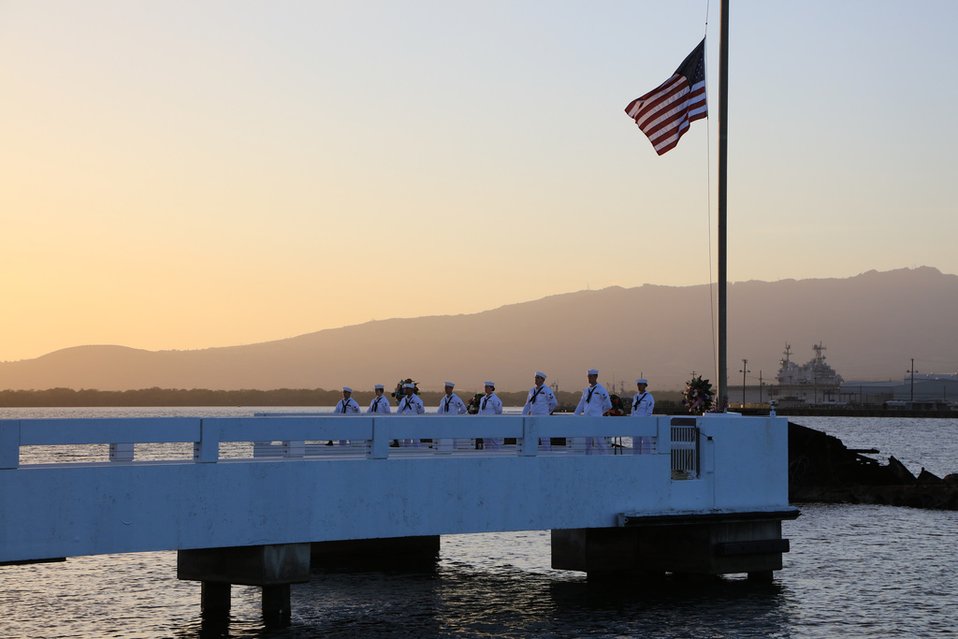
(664, 113)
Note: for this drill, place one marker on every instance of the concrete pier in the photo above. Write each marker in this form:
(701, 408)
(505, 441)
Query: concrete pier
(646, 547)
(272, 567)
(706, 497)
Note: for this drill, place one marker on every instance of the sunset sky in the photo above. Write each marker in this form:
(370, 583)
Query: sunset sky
(179, 175)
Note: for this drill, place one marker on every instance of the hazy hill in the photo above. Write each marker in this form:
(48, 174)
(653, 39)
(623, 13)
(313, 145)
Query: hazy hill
(872, 324)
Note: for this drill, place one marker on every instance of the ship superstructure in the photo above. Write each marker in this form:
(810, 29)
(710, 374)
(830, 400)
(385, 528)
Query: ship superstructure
(813, 382)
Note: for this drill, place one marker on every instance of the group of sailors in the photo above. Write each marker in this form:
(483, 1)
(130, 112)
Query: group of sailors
(595, 400)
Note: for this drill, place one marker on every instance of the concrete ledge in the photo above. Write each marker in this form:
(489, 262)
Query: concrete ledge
(24, 562)
(628, 520)
(270, 565)
(709, 547)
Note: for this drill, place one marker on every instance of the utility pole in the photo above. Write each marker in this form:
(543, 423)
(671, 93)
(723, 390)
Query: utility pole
(912, 371)
(761, 385)
(744, 371)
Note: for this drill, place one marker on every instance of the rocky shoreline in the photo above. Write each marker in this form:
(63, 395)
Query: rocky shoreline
(822, 469)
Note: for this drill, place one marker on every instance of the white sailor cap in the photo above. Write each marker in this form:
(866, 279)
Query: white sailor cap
(347, 389)
(489, 383)
(408, 385)
(641, 380)
(379, 387)
(593, 371)
(541, 374)
(449, 384)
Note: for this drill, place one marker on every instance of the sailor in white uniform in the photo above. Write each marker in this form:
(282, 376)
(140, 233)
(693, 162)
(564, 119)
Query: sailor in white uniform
(642, 403)
(594, 402)
(490, 404)
(450, 404)
(379, 405)
(540, 401)
(410, 404)
(642, 406)
(346, 406)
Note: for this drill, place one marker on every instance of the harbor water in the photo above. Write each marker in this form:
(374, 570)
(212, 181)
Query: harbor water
(853, 570)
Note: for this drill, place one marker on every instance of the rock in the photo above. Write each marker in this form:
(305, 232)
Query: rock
(822, 469)
(924, 477)
(898, 470)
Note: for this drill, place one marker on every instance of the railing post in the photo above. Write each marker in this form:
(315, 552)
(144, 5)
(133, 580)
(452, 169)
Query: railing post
(207, 450)
(530, 437)
(379, 447)
(663, 437)
(295, 448)
(9, 443)
(121, 452)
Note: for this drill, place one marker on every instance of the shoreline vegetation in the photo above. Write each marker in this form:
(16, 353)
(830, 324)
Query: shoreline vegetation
(666, 402)
(177, 397)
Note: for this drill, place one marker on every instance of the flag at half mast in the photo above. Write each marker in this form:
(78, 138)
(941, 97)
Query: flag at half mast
(665, 113)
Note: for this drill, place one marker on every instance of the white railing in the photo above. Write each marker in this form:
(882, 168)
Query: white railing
(294, 437)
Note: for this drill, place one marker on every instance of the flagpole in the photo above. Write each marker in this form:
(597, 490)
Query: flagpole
(722, 213)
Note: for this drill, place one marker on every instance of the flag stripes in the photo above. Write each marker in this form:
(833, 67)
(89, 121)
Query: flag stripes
(665, 113)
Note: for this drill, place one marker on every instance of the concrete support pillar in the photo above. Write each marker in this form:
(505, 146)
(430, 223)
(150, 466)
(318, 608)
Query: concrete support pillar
(214, 600)
(276, 605)
(393, 553)
(273, 567)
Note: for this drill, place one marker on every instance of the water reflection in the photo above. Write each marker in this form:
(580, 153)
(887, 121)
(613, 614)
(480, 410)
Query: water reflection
(861, 571)
(459, 601)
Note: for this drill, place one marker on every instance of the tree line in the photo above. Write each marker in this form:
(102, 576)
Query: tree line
(82, 398)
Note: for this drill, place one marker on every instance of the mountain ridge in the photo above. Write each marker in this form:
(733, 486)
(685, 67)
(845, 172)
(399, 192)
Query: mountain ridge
(663, 332)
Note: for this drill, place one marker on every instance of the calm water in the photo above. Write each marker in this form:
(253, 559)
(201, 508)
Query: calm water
(857, 571)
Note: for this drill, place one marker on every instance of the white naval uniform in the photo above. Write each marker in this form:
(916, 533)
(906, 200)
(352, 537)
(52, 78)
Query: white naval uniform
(379, 405)
(490, 405)
(595, 402)
(541, 401)
(410, 405)
(451, 405)
(642, 405)
(346, 407)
